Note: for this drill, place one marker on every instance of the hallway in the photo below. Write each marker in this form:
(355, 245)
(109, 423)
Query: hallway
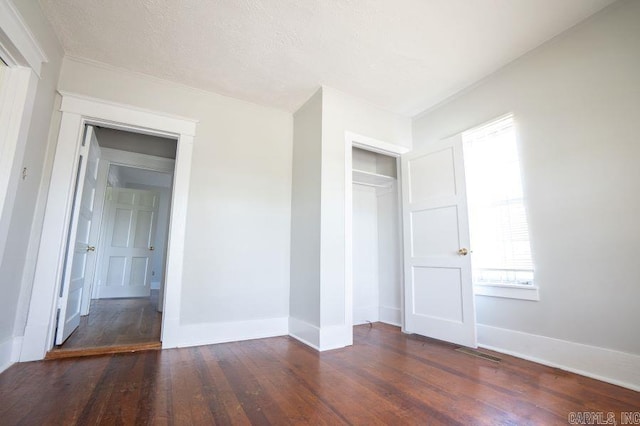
(115, 325)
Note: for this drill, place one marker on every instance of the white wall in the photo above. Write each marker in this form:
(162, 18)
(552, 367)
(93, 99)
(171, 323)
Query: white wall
(236, 260)
(576, 102)
(389, 256)
(365, 254)
(24, 213)
(304, 307)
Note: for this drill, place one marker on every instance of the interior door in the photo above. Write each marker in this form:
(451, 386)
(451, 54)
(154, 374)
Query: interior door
(130, 216)
(78, 248)
(89, 218)
(439, 300)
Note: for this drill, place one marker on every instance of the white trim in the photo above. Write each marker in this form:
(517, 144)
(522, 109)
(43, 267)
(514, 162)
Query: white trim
(6, 351)
(321, 338)
(155, 122)
(335, 337)
(389, 315)
(17, 43)
(375, 145)
(352, 140)
(306, 333)
(507, 291)
(9, 352)
(77, 111)
(212, 333)
(619, 368)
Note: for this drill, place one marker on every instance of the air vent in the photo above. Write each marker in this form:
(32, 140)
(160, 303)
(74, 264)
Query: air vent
(477, 353)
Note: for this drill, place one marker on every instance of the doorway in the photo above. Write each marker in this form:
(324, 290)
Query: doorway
(116, 253)
(376, 260)
(372, 206)
(77, 111)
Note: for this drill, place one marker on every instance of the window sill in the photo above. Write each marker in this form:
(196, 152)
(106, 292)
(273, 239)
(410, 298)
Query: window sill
(507, 291)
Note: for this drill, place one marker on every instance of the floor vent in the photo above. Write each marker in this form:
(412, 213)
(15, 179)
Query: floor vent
(475, 352)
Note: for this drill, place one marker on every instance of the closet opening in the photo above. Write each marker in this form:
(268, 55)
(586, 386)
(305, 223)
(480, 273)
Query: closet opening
(376, 252)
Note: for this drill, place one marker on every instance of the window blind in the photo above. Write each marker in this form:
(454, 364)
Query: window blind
(497, 215)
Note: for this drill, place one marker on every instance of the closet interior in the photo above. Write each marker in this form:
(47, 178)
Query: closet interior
(377, 248)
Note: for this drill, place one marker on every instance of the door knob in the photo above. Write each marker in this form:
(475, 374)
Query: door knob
(463, 252)
(151, 248)
(91, 248)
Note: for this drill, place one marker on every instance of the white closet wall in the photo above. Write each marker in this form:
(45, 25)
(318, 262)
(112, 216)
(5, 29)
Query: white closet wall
(389, 256)
(376, 241)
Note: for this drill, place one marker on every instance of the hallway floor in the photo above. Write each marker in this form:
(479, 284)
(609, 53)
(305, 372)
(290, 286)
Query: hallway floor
(115, 323)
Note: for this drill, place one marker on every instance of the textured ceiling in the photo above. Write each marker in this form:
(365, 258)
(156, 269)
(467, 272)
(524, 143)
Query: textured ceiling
(403, 55)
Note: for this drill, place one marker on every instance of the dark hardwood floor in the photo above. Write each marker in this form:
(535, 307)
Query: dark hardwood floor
(115, 325)
(386, 377)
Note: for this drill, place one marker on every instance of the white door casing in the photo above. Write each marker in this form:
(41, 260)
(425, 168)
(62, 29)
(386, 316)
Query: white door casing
(356, 140)
(78, 110)
(79, 248)
(130, 219)
(439, 300)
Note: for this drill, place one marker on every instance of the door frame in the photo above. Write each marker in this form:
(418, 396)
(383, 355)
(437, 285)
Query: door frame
(78, 111)
(355, 140)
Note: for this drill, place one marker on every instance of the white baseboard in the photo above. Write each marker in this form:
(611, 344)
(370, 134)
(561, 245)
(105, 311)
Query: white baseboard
(306, 333)
(211, 333)
(618, 368)
(365, 315)
(6, 351)
(320, 338)
(335, 337)
(10, 352)
(390, 315)
(34, 342)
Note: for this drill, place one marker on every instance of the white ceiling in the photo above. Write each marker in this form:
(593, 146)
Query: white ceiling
(402, 55)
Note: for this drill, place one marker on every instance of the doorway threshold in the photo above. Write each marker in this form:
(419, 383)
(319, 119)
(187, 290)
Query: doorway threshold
(102, 350)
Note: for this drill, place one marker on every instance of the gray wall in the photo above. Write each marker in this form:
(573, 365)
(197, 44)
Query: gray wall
(25, 213)
(576, 102)
(304, 303)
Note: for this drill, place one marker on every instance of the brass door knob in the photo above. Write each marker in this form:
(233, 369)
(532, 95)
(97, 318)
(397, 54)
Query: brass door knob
(91, 248)
(463, 252)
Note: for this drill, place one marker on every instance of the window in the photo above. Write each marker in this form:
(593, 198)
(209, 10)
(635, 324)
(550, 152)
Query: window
(497, 216)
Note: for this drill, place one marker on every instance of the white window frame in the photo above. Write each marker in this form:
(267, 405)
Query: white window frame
(505, 290)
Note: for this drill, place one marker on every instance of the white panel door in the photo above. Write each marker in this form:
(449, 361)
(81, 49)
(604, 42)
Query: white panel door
(79, 248)
(130, 227)
(439, 300)
(91, 218)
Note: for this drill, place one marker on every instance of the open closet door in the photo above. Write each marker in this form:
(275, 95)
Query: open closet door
(78, 248)
(439, 299)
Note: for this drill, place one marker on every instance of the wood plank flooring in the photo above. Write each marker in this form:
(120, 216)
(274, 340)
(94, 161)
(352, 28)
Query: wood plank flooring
(113, 326)
(386, 377)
